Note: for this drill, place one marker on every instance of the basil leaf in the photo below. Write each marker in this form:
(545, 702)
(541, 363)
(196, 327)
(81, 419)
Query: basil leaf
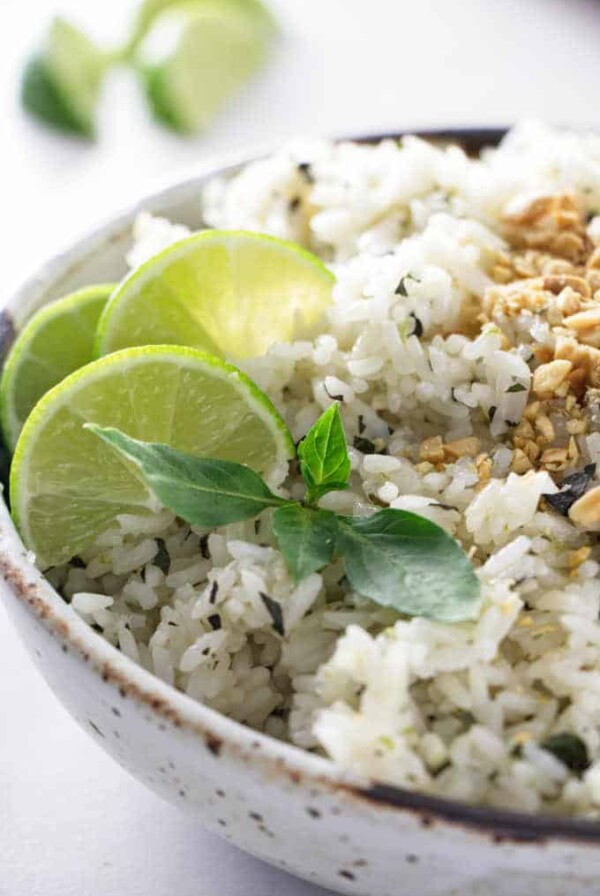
(201, 491)
(306, 538)
(402, 560)
(323, 455)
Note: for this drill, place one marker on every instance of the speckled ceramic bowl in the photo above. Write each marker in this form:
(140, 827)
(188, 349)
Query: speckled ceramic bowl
(293, 809)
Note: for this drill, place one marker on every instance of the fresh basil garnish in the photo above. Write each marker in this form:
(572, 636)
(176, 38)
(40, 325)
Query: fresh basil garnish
(404, 561)
(396, 558)
(306, 538)
(202, 491)
(323, 454)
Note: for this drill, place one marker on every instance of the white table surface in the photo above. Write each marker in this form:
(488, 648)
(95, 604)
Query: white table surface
(71, 821)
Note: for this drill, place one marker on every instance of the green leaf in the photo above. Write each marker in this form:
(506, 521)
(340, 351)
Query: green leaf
(201, 491)
(306, 538)
(61, 84)
(402, 560)
(323, 454)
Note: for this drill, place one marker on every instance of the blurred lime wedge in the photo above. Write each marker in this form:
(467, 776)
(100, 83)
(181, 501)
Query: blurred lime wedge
(67, 485)
(61, 84)
(229, 292)
(56, 341)
(198, 54)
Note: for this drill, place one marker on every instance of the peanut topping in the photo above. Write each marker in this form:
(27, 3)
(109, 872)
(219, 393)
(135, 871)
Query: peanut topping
(586, 324)
(549, 377)
(585, 512)
(432, 450)
(557, 282)
(468, 447)
(576, 558)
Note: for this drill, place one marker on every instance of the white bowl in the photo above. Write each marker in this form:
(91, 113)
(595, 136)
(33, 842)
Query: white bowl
(293, 809)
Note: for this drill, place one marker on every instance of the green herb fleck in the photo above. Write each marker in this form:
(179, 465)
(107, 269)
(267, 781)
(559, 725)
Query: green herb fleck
(275, 612)
(401, 289)
(568, 749)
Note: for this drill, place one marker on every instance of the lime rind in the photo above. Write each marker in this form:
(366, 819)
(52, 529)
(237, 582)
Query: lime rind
(213, 48)
(61, 84)
(46, 471)
(213, 320)
(54, 342)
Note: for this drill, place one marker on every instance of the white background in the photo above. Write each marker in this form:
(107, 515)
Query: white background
(71, 822)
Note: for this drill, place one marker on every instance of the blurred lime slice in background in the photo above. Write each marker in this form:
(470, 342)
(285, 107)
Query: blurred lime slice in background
(232, 293)
(67, 485)
(197, 54)
(61, 84)
(56, 341)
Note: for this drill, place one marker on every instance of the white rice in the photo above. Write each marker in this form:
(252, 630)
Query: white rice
(459, 710)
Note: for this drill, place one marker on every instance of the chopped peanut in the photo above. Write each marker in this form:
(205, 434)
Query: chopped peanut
(520, 462)
(548, 377)
(576, 558)
(468, 447)
(543, 424)
(586, 324)
(432, 450)
(557, 282)
(554, 458)
(585, 512)
(576, 427)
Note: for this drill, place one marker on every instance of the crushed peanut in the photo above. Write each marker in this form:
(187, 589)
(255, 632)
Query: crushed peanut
(432, 450)
(549, 377)
(576, 558)
(467, 447)
(585, 512)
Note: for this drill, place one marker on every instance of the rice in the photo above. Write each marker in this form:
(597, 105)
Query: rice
(444, 308)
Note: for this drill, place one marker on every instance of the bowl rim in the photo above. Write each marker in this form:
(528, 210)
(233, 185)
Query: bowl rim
(217, 732)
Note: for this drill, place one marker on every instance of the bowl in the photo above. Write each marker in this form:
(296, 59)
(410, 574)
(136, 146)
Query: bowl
(293, 809)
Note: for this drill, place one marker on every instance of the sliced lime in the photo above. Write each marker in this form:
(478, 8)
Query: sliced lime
(212, 48)
(67, 485)
(56, 341)
(229, 292)
(61, 84)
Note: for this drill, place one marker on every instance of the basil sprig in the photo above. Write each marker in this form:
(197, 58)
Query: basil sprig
(396, 558)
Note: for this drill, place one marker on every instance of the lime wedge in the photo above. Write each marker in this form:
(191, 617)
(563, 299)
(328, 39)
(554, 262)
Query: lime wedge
(56, 341)
(67, 485)
(61, 85)
(198, 54)
(228, 292)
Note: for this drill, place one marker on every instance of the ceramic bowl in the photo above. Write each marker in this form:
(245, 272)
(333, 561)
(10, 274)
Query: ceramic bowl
(293, 809)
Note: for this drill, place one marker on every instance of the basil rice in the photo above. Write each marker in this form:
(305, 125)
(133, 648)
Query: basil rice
(463, 347)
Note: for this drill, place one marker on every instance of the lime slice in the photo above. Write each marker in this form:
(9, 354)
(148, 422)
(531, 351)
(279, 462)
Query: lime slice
(228, 292)
(61, 85)
(56, 341)
(211, 49)
(67, 485)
